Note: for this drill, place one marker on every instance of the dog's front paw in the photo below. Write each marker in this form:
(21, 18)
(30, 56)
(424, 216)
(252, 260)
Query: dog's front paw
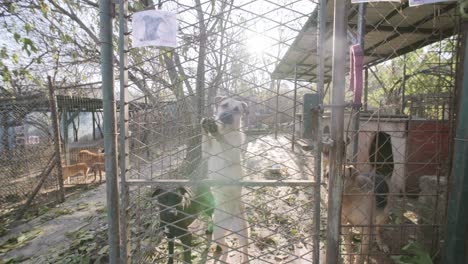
(384, 248)
(209, 125)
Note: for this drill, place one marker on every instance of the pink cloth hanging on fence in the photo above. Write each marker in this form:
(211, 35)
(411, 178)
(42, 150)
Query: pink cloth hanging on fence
(356, 60)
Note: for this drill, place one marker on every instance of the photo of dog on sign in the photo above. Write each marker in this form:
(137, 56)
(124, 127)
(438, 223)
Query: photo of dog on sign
(154, 28)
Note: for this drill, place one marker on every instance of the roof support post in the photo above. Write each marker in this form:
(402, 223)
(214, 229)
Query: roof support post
(56, 133)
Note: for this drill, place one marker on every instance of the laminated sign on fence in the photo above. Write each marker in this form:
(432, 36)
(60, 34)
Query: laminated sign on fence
(154, 28)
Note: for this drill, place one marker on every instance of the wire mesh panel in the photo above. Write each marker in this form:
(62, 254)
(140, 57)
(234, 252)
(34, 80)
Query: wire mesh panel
(29, 172)
(24, 133)
(398, 145)
(218, 169)
(81, 128)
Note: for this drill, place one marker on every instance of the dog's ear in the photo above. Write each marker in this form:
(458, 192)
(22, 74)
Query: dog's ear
(182, 190)
(245, 108)
(219, 98)
(347, 141)
(185, 195)
(156, 192)
(351, 172)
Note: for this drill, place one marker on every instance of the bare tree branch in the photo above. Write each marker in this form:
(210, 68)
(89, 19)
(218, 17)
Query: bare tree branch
(91, 34)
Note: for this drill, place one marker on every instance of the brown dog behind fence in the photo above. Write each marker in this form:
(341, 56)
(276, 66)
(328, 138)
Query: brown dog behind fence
(73, 170)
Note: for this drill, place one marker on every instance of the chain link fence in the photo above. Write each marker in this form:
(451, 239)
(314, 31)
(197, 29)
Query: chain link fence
(259, 60)
(227, 49)
(29, 173)
(400, 143)
(25, 132)
(250, 189)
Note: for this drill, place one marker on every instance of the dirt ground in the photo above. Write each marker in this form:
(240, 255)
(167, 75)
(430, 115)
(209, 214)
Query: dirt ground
(280, 218)
(80, 213)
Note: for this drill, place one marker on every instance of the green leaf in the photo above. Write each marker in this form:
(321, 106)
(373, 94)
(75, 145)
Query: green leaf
(28, 46)
(12, 8)
(104, 250)
(17, 37)
(6, 74)
(66, 38)
(4, 53)
(86, 260)
(21, 240)
(28, 27)
(28, 75)
(44, 9)
(82, 206)
(15, 58)
(166, 52)
(416, 255)
(55, 56)
(39, 82)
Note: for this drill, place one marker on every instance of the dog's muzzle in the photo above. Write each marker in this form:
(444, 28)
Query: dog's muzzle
(226, 118)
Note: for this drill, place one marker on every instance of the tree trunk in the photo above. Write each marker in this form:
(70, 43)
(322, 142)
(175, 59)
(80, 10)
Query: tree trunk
(194, 152)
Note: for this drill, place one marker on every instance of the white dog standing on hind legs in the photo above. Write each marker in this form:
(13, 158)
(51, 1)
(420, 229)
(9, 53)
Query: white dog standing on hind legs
(223, 141)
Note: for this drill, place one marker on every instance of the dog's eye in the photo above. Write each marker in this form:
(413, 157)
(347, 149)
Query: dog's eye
(236, 109)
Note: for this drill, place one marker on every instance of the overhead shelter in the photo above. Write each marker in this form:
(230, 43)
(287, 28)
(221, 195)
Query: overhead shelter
(40, 103)
(392, 29)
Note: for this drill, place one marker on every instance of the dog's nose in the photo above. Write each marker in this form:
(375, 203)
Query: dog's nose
(226, 118)
(173, 211)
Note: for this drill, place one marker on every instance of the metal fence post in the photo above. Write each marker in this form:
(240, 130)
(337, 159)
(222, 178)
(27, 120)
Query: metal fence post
(55, 125)
(322, 16)
(293, 141)
(366, 88)
(65, 134)
(110, 136)
(337, 126)
(123, 136)
(457, 227)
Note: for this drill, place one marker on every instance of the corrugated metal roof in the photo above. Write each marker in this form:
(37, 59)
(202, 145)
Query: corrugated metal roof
(393, 29)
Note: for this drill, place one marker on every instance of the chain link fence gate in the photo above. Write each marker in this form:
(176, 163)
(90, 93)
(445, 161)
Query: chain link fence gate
(225, 48)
